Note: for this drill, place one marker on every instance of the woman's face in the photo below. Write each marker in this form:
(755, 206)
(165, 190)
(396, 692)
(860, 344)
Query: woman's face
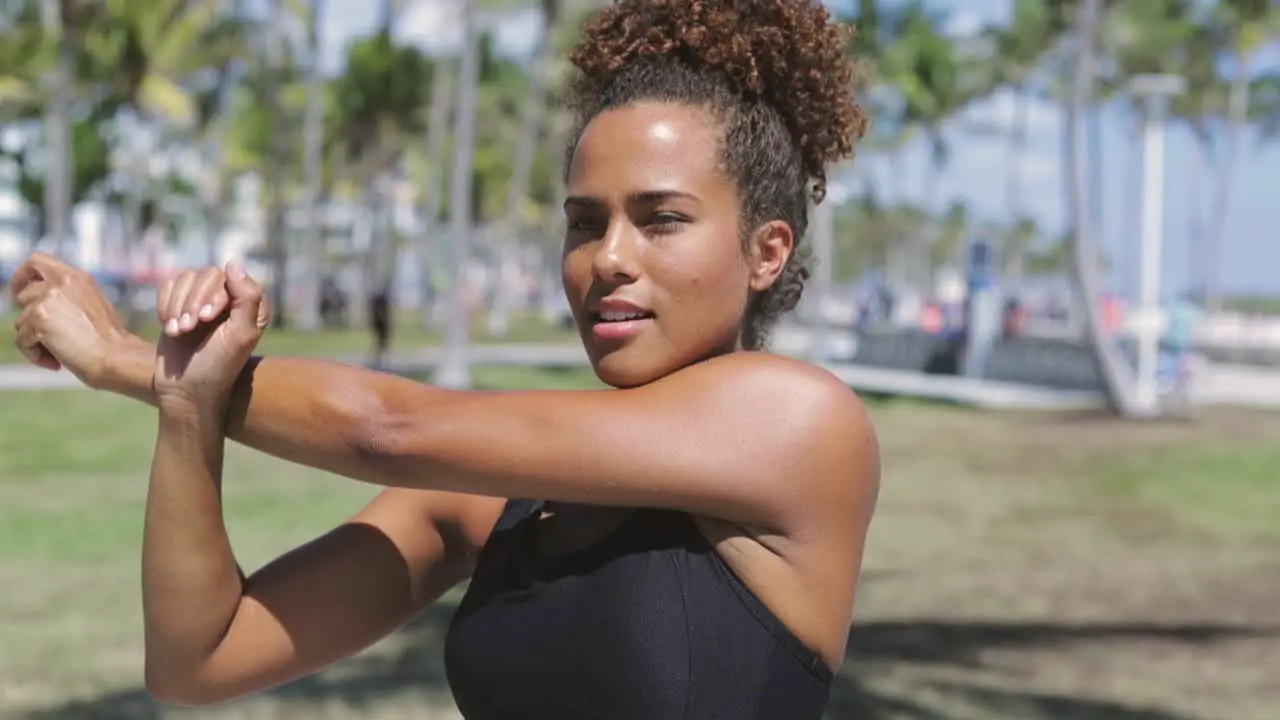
(653, 262)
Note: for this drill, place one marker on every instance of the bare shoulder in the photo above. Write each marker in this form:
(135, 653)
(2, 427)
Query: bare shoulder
(804, 413)
(816, 406)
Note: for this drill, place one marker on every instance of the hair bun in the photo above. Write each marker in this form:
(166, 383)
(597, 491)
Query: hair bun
(787, 52)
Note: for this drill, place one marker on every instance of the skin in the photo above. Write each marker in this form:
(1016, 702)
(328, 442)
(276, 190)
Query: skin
(775, 459)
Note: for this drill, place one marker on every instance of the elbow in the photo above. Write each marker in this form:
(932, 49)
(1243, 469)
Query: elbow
(396, 447)
(173, 684)
(165, 689)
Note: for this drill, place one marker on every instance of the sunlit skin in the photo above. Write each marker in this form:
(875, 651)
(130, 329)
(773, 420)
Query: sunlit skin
(652, 222)
(773, 459)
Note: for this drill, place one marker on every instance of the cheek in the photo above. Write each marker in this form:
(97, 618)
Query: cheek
(575, 271)
(716, 278)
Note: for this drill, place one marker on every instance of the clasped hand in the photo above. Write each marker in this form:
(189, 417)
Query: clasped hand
(211, 321)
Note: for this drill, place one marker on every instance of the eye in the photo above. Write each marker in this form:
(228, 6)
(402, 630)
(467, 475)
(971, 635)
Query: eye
(582, 224)
(665, 223)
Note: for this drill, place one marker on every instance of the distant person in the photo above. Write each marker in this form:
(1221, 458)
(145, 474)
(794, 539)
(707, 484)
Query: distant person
(1177, 343)
(1014, 318)
(333, 303)
(685, 544)
(380, 322)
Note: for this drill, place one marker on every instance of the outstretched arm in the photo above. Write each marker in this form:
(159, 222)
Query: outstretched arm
(300, 410)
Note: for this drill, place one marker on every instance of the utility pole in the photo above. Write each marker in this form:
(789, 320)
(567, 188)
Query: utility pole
(1154, 93)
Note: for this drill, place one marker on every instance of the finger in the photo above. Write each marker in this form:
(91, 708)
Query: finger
(38, 266)
(31, 293)
(177, 301)
(209, 298)
(163, 293)
(27, 339)
(247, 304)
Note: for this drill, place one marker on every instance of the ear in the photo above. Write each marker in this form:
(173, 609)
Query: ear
(767, 254)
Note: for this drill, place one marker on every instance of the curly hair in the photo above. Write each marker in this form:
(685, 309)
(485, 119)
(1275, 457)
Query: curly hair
(775, 76)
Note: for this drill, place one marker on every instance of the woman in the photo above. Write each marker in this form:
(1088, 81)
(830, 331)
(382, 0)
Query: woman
(692, 539)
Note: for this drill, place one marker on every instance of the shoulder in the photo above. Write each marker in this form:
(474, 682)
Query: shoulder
(787, 390)
(800, 411)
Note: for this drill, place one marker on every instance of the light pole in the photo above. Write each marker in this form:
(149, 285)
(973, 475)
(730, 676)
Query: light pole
(1153, 92)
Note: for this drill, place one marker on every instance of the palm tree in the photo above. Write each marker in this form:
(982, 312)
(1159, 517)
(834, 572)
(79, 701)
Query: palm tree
(1117, 379)
(277, 210)
(153, 57)
(1203, 102)
(443, 77)
(1019, 49)
(454, 371)
(380, 98)
(313, 158)
(57, 189)
(533, 108)
(1252, 22)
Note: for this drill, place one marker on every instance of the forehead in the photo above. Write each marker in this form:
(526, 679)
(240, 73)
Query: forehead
(646, 146)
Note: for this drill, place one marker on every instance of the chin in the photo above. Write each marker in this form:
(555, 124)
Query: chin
(620, 373)
(628, 364)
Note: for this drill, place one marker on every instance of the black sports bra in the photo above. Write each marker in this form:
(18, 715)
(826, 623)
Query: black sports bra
(646, 624)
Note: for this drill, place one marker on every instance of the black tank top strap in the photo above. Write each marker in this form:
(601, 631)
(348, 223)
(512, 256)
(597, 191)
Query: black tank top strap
(516, 511)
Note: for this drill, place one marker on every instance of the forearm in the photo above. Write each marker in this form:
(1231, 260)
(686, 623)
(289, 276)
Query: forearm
(191, 586)
(310, 412)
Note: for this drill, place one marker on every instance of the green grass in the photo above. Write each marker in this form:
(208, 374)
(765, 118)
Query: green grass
(1035, 523)
(1217, 488)
(355, 341)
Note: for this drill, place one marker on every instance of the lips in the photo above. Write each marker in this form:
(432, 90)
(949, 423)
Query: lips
(617, 310)
(617, 319)
(621, 315)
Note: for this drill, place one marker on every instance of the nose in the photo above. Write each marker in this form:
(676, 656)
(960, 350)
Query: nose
(618, 258)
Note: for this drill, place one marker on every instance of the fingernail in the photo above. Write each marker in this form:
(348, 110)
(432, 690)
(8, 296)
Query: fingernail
(187, 322)
(234, 270)
(206, 312)
(171, 327)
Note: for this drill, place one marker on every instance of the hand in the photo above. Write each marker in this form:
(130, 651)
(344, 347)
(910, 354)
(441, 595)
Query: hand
(212, 321)
(64, 320)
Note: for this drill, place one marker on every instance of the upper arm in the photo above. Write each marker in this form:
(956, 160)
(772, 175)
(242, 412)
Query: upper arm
(749, 438)
(345, 590)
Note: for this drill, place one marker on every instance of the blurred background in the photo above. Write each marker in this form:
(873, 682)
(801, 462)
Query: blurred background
(1050, 271)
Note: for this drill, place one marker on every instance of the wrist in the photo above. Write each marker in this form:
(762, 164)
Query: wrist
(127, 368)
(188, 408)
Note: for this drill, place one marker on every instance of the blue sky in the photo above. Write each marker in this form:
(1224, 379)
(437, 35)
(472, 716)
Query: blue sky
(975, 173)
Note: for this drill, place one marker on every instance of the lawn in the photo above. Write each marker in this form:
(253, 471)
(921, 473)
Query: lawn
(1021, 566)
(356, 342)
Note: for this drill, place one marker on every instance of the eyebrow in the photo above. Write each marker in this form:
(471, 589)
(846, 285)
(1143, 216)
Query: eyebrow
(643, 197)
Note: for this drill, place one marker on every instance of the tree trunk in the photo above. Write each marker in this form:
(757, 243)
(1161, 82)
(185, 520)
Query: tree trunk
(444, 77)
(1198, 260)
(313, 150)
(277, 220)
(1116, 377)
(1237, 116)
(1016, 260)
(508, 236)
(454, 370)
(57, 186)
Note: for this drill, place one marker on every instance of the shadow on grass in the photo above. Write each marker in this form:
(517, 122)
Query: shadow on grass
(414, 667)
